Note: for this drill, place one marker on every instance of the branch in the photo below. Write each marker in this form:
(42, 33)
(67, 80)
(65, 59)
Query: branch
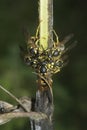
(4, 118)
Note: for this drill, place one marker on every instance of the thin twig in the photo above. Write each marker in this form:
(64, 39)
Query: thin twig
(14, 97)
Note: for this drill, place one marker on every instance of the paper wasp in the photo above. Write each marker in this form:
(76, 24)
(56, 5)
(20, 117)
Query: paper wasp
(46, 62)
(49, 60)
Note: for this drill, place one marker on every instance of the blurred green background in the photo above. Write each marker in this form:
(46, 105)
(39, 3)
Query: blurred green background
(69, 87)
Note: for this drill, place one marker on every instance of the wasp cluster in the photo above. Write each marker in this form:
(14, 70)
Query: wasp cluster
(46, 61)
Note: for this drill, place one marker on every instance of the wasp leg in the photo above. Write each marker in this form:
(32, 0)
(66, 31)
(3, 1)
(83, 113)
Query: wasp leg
(57, 39)
(37, 30)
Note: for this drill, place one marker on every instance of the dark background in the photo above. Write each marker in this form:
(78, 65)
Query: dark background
(69, 87)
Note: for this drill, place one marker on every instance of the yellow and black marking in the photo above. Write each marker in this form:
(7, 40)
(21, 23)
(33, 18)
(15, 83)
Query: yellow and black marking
(46, 62)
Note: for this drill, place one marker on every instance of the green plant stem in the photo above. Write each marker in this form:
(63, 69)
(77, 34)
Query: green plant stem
(46, 23)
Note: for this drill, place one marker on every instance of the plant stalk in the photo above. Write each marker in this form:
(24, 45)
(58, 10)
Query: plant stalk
(43, 104)
(46, 23)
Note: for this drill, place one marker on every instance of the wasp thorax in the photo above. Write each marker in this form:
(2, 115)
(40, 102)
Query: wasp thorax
(33, 51)
(43, 69)
(59, 63)
(44, 63)
(27, 60)
(56, 52)
(33, 40)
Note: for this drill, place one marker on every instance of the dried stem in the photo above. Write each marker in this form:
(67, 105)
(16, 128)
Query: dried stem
(14, 97)
(32, 115)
